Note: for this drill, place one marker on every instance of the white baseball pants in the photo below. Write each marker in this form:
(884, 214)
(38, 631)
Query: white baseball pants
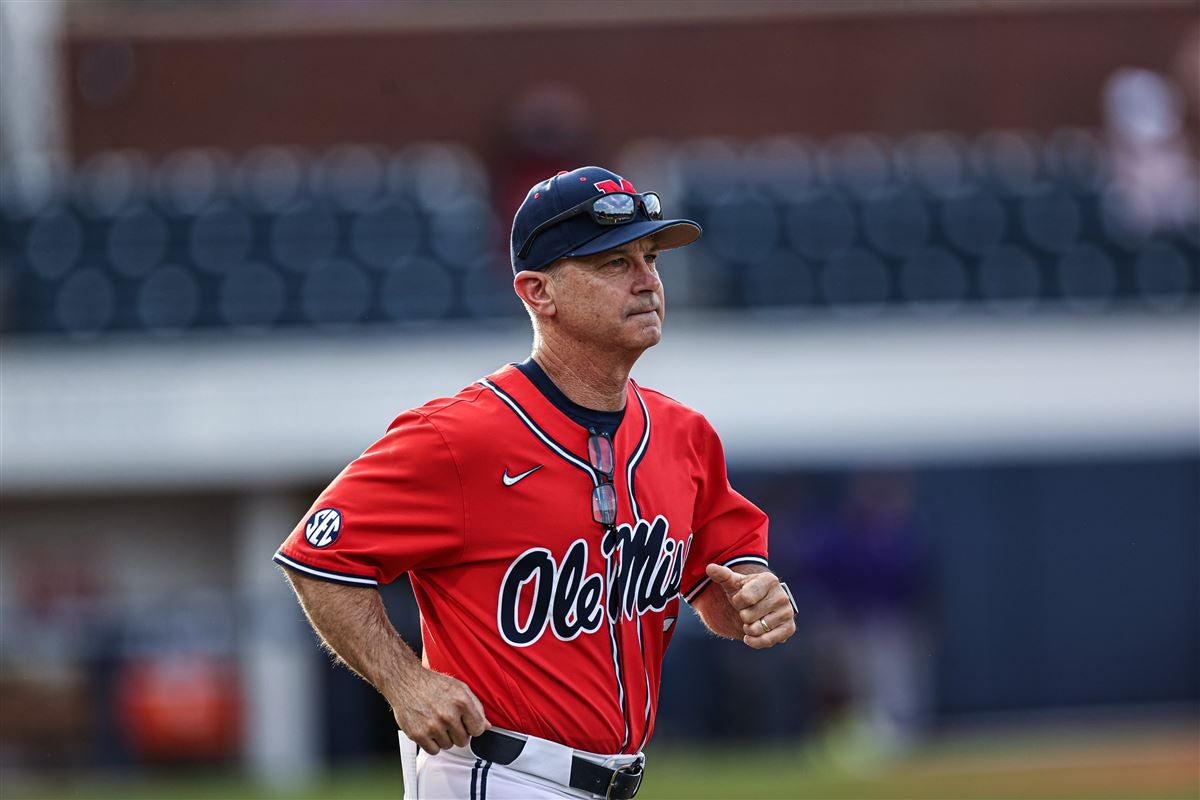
(458, 774)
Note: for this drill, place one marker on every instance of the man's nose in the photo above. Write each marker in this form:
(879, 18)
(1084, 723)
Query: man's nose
(647, 277)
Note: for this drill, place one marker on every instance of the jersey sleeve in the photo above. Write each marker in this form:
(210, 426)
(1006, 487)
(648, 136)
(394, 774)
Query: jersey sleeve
(727, 528)
(397, 507)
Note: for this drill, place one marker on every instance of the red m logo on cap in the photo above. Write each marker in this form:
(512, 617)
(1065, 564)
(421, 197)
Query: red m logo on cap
(607, 186)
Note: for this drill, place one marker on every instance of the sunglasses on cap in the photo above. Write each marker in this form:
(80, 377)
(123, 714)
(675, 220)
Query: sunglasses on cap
(616, 208)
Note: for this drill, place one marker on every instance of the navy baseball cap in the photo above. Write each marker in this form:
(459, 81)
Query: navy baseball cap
(580, 235)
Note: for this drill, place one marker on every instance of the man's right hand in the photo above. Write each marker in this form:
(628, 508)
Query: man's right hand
(435, 710)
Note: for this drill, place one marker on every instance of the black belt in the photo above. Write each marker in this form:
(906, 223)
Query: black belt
(616, 784)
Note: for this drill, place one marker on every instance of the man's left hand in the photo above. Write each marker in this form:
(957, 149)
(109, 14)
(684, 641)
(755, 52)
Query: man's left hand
(760, 602)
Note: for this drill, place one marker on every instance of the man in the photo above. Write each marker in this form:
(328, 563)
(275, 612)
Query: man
(550, 517)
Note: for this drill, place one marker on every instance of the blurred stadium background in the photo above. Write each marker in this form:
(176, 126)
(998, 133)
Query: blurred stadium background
(944, 314)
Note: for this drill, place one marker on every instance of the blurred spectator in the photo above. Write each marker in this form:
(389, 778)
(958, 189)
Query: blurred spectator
(867, 586)
(749, 702)
(53, 610)
(1157, 178)
(546, 130)
(754, 703)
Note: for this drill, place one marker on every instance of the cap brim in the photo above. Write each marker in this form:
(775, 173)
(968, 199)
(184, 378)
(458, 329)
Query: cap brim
(668, 234)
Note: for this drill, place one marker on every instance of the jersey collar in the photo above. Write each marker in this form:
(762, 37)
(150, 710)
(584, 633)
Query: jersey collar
(566, 431)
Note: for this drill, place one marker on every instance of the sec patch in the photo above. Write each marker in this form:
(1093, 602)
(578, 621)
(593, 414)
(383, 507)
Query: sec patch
(323, 527)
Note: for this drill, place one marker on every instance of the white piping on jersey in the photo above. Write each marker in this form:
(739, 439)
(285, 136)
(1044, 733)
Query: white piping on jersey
(330, 576)
(553, 445)
(616, 657)
(646, 672)
(634, 460)
(638, 452)
(730, 563)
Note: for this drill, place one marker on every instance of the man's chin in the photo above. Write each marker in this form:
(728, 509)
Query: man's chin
(641, 340)
(641, 331)
(651, 336)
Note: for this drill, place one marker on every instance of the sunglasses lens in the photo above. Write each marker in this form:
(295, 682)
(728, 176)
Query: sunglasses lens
(653, 205)
(600, 453)
(613, 209)
(604, 504)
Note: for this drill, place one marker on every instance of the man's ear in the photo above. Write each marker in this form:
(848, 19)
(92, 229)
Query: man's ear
(536, 291)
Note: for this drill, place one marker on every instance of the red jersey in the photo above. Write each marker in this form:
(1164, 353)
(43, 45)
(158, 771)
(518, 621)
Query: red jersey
(557, 624)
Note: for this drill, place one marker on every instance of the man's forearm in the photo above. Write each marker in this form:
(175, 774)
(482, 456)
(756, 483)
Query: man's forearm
(434, 710)
(354, 626)
(715, 611)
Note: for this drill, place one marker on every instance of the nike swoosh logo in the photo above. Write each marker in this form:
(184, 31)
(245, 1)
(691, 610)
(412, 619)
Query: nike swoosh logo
(509, 480)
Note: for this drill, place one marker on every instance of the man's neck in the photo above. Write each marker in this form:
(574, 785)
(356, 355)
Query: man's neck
(593, 381)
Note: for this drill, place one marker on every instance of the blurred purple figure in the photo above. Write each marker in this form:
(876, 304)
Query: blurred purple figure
(866, 575)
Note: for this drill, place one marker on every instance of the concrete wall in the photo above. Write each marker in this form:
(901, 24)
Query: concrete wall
(245, 414)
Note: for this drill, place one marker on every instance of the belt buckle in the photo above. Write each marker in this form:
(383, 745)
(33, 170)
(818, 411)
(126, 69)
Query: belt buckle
(634, 771)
